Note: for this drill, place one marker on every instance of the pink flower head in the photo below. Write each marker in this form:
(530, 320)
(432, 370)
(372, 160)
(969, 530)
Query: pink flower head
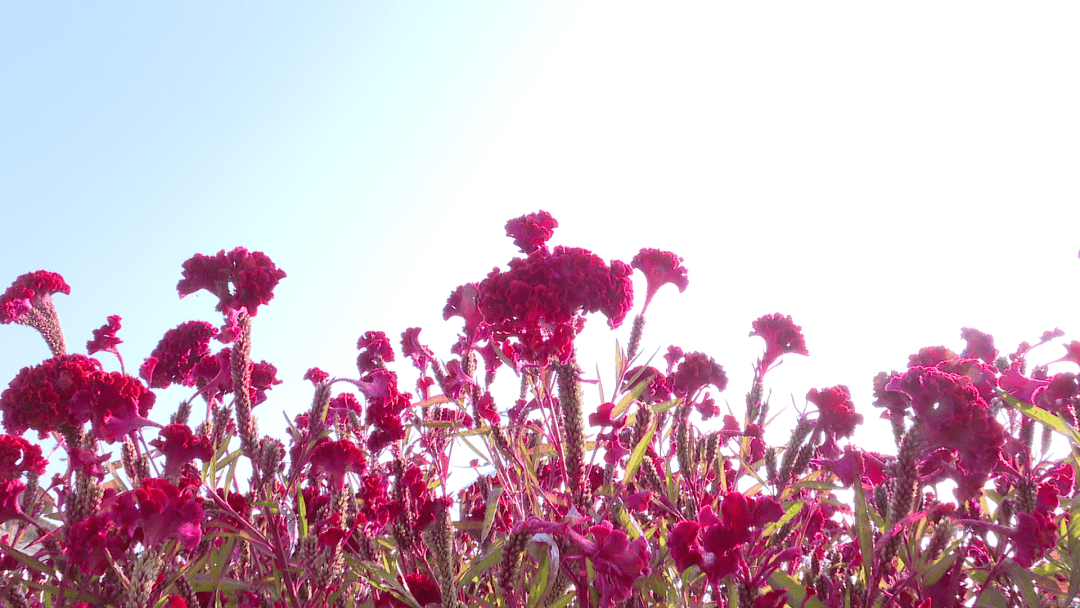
(1036, 533)
(411, 347)
(115, 404)
(316, 375)
(1072, 353)
(263, 378)
(836, 412)
(159, 511)
(540, 299)
(174, 358)
(9, 500)
(696, 371)
(660, 268)
(336, 458)
(463, 303)
(93, 541)
(979, 345)
(617, 561)
(531, 231)
(658, 388)
(781, 336)
(180, 447)
(40, 397)
(30, 291)
(18, 456)
(930, 356)
(950, 413)
(105, 337)
(456, 380)
(240, 279)
(374, 349)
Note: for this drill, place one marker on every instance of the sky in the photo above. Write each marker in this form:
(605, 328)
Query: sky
(885, 174)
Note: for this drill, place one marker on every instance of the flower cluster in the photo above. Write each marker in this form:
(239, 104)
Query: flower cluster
(627, 499)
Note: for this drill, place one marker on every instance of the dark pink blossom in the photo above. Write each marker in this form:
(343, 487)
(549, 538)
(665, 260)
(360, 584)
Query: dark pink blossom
(174, 358)
(9, 500)
(1072, 353)
(115, 404)
(411, 347)
(658, 388)
(18, 456)
(93, 542)
(836, 412)
(463, 303)
(456, 380)
(781, 336)
(374, 349)
(531, 231)
(40, 397)
(337, 458)
(660, 268)
(31, 290)
(105, 338)
(263, 378)
(1035, 534)
(180, 446)
(979, 345)
(540, 299)
(1015, 383)
(617, 562)
(316, 375)
(424, 589)
(158, 511)
(696, 371)
(240, 279)
(930, 356)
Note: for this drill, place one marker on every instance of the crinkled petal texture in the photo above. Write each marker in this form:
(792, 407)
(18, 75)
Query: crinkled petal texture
(540, 299)
(159, 511)
(105, 337)
(174, 358)
(836, 412)
(618, 562)
(531, 231)
(251, 275)
(660, 268)
(781, 336)
(27, 291)
(40, 397)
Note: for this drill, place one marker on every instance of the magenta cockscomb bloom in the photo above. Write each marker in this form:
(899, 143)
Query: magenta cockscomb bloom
(979, 345)
(836, 412)
(950, 413)
(29, 302)
(462, 303)
(1036, 533)
(930, 356)
(159, 511)
(714, 544)
(411, 347)
(781, 336)
(531, 231)
(384, 408)
(95, 542)
(40, 397)
(336, 458)
(174, 358)
(18, 456)
(105, 339)
(240, 279)
(1072, 353)
(180, 446)
(30, 291)
(616, 560)
(316, 376)
(540, 299)
(660, 268)
(115, 404)
(696, 371)
(375, 350)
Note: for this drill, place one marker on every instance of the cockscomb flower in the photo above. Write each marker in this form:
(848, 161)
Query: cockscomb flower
(336, 458)
(29, 302)
(115, 404)
(18, 456)
(781, 336)
(540, 299)
(105, 338)
(462, 303)
(531, 231)
(375, 350)
(696, 371)
(240, 279)
(95, 542)
(836, 412)
(660, 268)
(712, 543)
(40, 397)
(616, 560)
(979, 345)
(1072, 353)
(180, 446)
(159, 511)
(174, 358)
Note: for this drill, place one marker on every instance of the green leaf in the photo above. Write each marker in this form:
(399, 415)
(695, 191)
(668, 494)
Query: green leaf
(28, 561)
(638, 454)
(796, 592)
(994, 598)
(489, 514)
(1073, 544)
(1055, 422)
(863, 531)
(480, 565)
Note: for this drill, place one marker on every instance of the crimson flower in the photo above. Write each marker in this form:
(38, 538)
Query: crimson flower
(174, 358)
(531, 231)
(115, 404)
(9, 500)
(18, 456)
(316, 375)
(240, 279)
(180, 447)
(374, 349)
(93, 541)
(40, 397)
(1072, 353)
(158, 511)
(713, 543)
(781, 336)
(696, 371)
(617, 561)
(105, 337)
(836, 412)
(335, 459)
(979, 345)
(660, 268)
(1036, 533)
(30, 291)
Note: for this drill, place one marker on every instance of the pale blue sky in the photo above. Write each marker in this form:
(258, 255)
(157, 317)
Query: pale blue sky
(886, 175)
